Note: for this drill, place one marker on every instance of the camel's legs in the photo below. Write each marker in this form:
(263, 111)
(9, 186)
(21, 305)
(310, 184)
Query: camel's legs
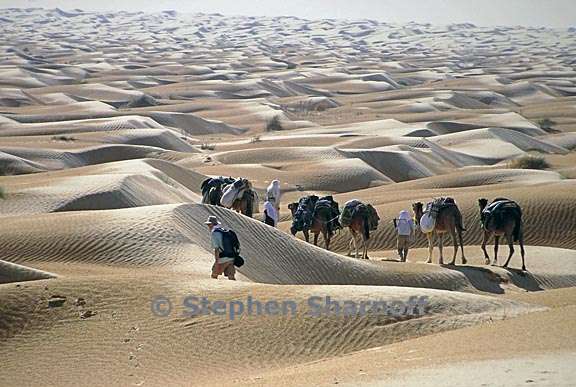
(496, 240)
(350, 245)
(306, 236)
(355, 243)
(316, 235)
(484, 240)
(461, 246)
(453, 235)
(326, 236)
(430, 237)
(521, 242)
(510, 240)
(364, 242)
(441, 248)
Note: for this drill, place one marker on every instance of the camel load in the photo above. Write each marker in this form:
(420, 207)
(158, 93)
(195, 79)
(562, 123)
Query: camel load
(354, 208)
(494, 215)
(433, 208)
(360, 219)
(442, 216)
(316, 215)
(302, 213)
(234, 191)
(502, 217)
(240, 196)
(331, 207)
(212, 189)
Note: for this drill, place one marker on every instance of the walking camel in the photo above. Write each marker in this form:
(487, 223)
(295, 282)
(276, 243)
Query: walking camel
(214, 195)
(245, 203)
(448, 220)
(359, 225)
(239, 196)
(502, 217)
(310, 218)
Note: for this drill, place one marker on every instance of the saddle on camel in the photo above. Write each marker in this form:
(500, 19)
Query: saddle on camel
(503, 217)
(316, 215)
(441, 216)
(360, 219)
(212, 189)
(240, 197)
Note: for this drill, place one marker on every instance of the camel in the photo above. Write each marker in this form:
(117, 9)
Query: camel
(321, 221)
(448, 220)
(214, 195)
(507, 221)
(244, 204)
(359, 226)
(212, 189)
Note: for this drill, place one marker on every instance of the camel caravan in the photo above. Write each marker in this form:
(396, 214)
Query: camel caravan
(322, 216)
(235, 194)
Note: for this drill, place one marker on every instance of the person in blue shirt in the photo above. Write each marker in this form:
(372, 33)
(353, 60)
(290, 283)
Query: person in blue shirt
(222, 265)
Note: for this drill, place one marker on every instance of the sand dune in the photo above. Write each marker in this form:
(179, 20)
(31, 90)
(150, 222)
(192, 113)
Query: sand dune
(178, 235)
(11, 272)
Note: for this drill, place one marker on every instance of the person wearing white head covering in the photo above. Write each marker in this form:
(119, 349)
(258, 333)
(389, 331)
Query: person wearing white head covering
(405, 227)
(273, 194)
(270, 214)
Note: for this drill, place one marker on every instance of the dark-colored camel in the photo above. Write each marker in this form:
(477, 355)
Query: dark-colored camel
(503, 217)
(320, 222)
(214, 195)
(448, 220)
(212, 189)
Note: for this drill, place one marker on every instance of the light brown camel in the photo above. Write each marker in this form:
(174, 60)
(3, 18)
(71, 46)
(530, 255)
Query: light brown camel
(448, 220)
(360, 226)
(505, 220)
(319, 224)
(244, 204)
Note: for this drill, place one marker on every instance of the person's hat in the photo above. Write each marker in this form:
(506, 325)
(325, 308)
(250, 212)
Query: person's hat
(212, 220)
(404, 215)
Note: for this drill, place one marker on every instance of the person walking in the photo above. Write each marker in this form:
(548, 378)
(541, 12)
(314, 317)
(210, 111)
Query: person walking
(405, 228)
(223, 258)
(273, 194)
(270, 214)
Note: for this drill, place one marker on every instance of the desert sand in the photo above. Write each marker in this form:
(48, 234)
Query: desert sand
(109, 122)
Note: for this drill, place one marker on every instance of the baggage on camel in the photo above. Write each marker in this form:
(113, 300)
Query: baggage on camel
(234, 191)
(332, 205)
(352, 207)
(428, 219)
(494, 213)
(213, 182)
(304, 214)
(348, 212)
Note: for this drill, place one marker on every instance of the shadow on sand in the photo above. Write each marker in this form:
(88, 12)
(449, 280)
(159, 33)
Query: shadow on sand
(491, 279)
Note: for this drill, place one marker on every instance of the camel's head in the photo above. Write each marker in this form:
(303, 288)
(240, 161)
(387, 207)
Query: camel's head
(418, 209)
(482, 203)
(293, 207)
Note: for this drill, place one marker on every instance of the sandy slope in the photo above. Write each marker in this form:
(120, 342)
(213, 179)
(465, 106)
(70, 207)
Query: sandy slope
(109, 122)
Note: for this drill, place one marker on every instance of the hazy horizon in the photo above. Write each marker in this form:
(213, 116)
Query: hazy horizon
(553, 13)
